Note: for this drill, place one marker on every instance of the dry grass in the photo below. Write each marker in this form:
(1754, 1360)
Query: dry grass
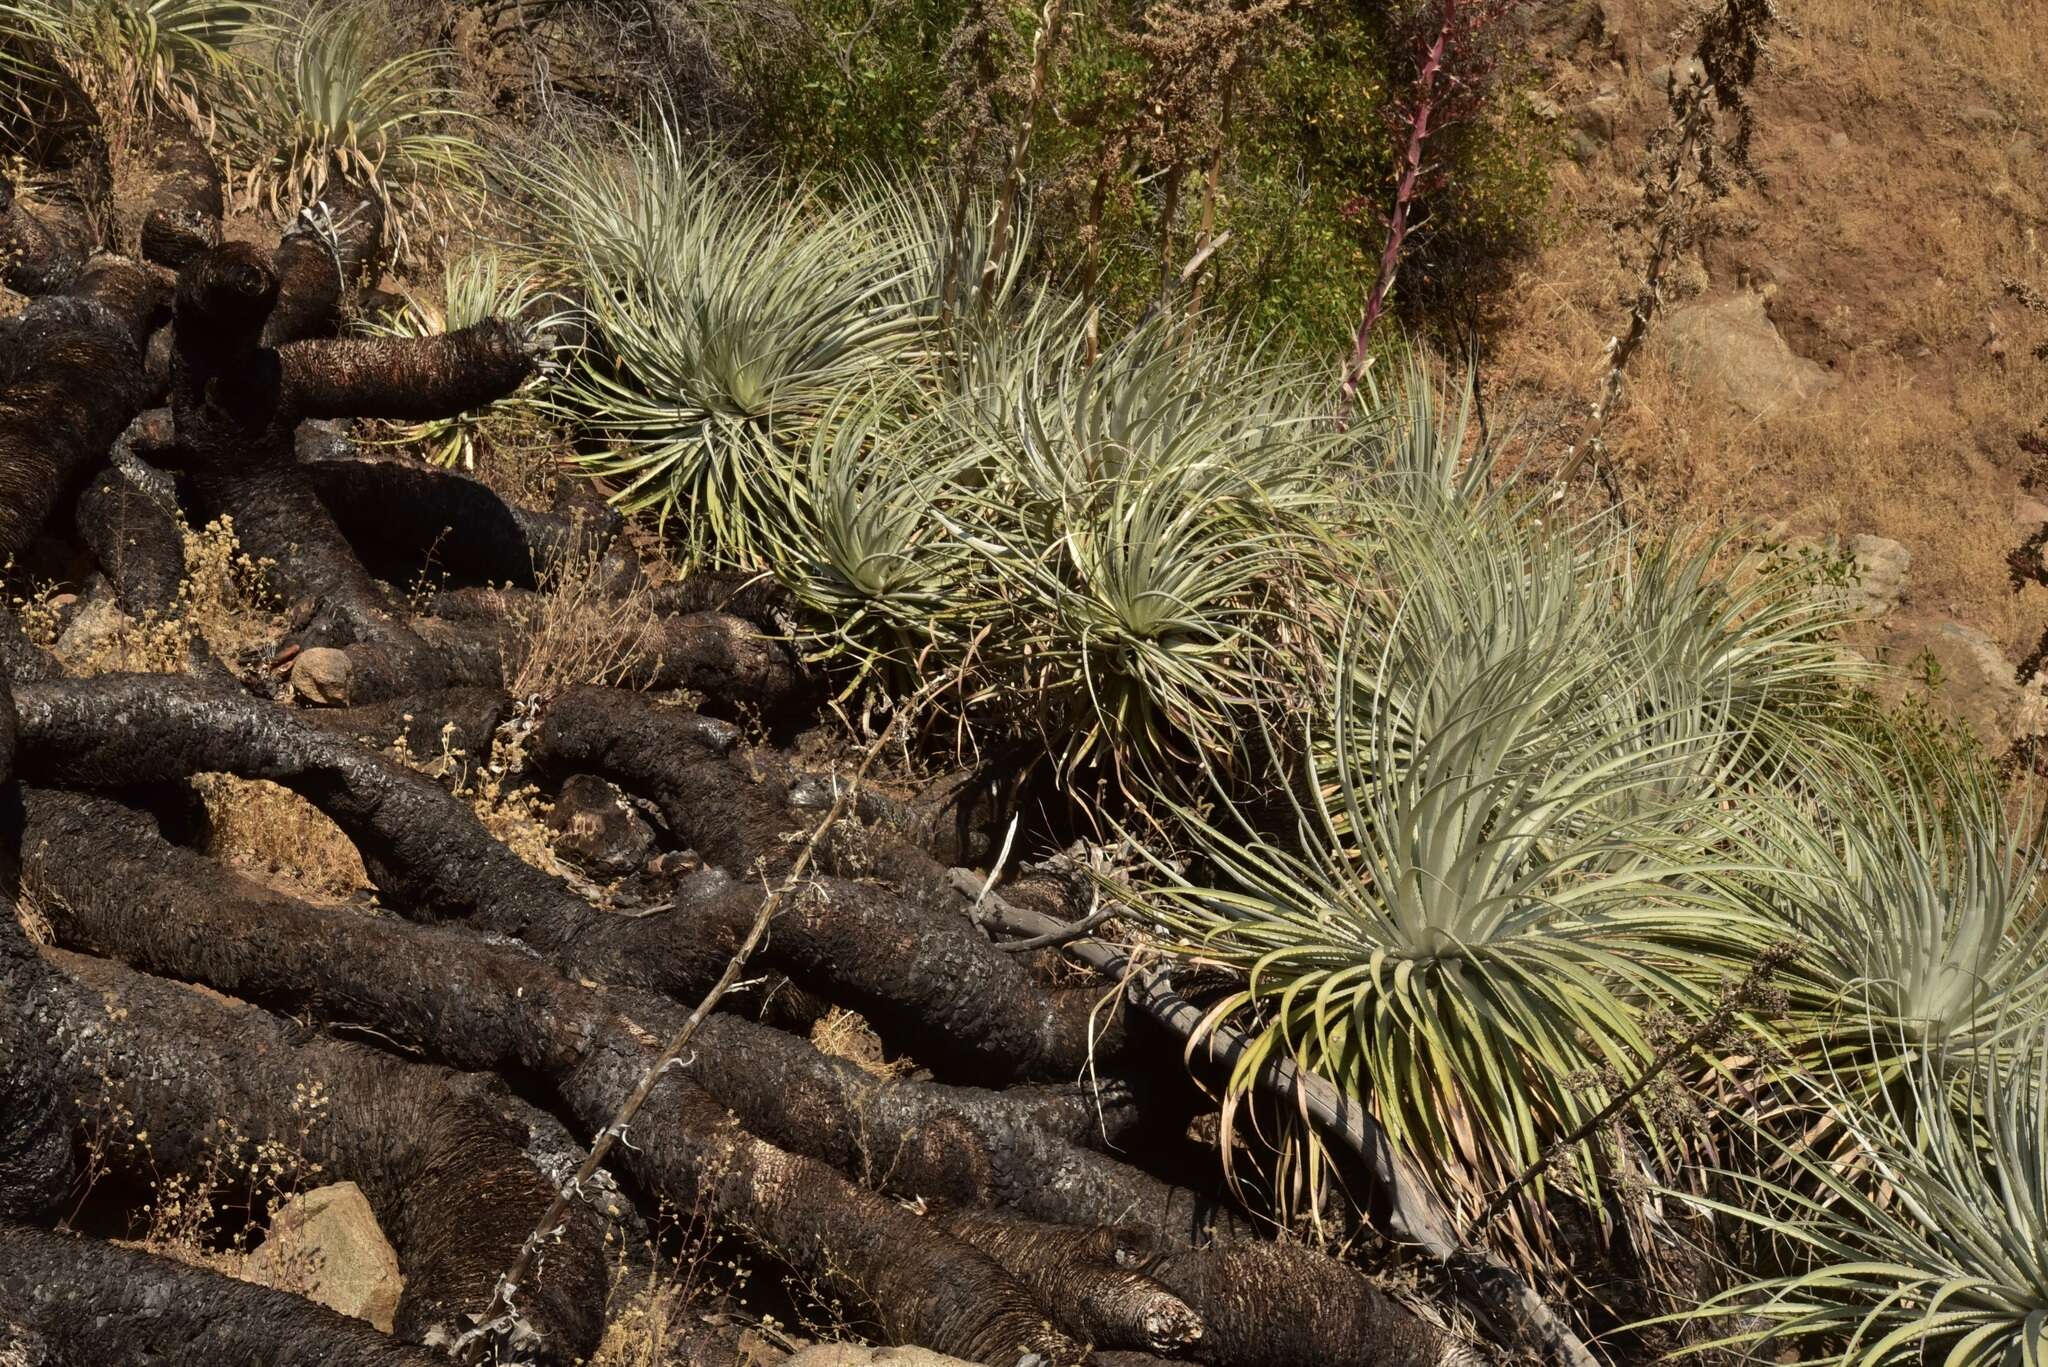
(33, 917)
(224, 601)
(846, 1034)
(1903, 154)
(274, 834)
(578, 633)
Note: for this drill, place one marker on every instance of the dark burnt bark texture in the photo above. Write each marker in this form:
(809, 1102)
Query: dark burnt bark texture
(406, 519)
(90, 1303)
(43, 246)
(70, 381)
(211, 1083)
(334, 245)
(183, 218)
(236, 403)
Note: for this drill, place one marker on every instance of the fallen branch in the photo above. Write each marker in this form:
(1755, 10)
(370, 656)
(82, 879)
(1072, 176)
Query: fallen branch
(500, 1315)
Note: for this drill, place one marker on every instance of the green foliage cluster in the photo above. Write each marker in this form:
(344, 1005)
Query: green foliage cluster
(1484, 807)
(1309, 160)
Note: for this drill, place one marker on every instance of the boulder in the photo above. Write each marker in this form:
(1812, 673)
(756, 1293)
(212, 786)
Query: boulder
(92, 629)
(1877, 583)
(325, 1245)
(320, 676)
(597, 830)
(1730, 345)
(1966, 673)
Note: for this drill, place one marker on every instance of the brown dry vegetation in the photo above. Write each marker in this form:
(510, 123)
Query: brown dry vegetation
(1905, 188)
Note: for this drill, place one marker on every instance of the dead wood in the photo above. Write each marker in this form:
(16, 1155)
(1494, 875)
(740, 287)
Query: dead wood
(137, 541)
(237, 404)
(334, 245)
(116, 887)
(460, 723)
(185, 202)
(1089, 1277)
(70, 380)
(926, 980)
(201, 1080)
(92, 1303)
(724, 658)
(910, 970)
(405, 519)
(36, 1163)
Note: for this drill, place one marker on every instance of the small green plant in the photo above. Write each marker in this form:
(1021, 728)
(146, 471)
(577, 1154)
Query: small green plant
(728, 317)
(474, 288)
(328, 98)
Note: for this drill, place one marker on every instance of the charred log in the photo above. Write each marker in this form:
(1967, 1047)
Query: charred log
(724, 658)
(70, 380)
(404, 518)
(44, 246)
(237, 403)
(925, 978)
(445, 1173)
(451, 721)
(91, 1302)
(333, 246)
(136, 539)
(1089, 1276)
(116, 887)
(185, 203)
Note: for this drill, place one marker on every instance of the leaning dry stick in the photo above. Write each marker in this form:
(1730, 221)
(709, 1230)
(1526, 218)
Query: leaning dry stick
(500, 1314)
(1495, 1292)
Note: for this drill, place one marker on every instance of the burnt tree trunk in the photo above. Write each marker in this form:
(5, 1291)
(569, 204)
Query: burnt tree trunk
(90, 1303)
(490, 1007)
(445, 1172)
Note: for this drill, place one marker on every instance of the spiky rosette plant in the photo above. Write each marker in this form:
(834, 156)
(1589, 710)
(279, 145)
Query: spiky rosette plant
(728, 316)
(475, 287)
(1144, 517)
(867, 539)
(1915, 889)
(328, 97)
(1932, 1245)
(1497, 862)
(130, 56)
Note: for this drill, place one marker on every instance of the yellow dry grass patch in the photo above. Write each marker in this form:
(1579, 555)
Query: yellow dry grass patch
(275, 835)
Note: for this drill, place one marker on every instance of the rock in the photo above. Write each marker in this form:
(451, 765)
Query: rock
(1877, 582)
(1838, 140)
(597, 831)
(325, 1245)
(1597, 117)
(320, 676)
(1661, 77)
(859, 1355)
(1729, 344)
(1965, 672)
(2029, 515)
(1979, 116)
(1543, 107)
(93, 629)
